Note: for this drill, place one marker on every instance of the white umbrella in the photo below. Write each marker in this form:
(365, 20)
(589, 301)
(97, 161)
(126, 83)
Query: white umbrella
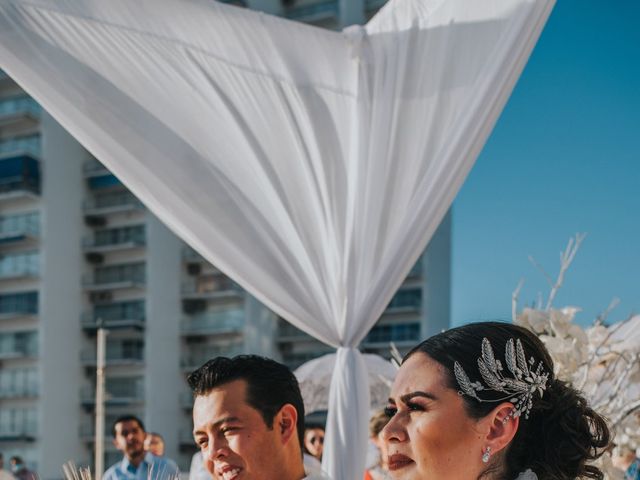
(315, 375)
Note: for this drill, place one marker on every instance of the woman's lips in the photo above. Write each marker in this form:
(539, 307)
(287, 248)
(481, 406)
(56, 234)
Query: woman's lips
(398, 461)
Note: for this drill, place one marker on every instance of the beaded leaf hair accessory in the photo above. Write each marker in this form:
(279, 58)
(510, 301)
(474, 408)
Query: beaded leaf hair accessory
(526, 378)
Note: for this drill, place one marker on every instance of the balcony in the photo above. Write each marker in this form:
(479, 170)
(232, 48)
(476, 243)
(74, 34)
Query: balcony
(16, 305)
(120, 396)
(115, 277)
(94, 168)
(30, 145)
(214, 323)
(198, 355)
(401, 334)
(12, 433)
(211, 286)
(131, 320)
(19, 176)
(19, 266)
(23, 111)
(20, 228)
(18, 391)
(115, 239)
(115, 356)
(191, 256)
(406, 300)
(98, 176)
(287, 333)
(14, 346)
(314, 12)
(87, 432)
(112, 202)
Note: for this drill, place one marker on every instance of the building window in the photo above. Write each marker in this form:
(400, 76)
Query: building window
(19, 303)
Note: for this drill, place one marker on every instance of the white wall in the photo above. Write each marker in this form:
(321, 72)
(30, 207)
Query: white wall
(436, 299)
(163, 379)
(60, 300)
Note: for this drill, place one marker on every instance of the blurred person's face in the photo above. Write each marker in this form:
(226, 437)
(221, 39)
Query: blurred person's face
(314, 441)
(623, 460)
(430, 434)
(129, 439)
(154, 444)
(235, 441)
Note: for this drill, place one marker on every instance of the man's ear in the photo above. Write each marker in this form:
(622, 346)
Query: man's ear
(502, 427)
(286, 422)
(115, 444)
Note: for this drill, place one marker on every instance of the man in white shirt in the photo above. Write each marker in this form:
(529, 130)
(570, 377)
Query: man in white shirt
(248, 419)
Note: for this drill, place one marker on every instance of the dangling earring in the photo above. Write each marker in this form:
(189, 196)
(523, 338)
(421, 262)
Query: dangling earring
(486, 455)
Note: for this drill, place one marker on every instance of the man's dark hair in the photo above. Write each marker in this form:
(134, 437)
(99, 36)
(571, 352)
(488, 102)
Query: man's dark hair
(270, 385)
(126, 418)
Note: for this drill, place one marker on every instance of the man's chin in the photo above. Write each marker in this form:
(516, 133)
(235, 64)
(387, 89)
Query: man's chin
(134, 454)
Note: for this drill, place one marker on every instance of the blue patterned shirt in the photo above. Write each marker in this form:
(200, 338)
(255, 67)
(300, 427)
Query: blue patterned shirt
(151, 468)
(633, 472)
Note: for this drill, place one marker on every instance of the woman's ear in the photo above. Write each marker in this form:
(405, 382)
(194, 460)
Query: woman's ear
(502, 427)
(286, 422)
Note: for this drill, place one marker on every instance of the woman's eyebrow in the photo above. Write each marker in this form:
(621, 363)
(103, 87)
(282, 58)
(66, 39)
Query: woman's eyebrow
(409, 396)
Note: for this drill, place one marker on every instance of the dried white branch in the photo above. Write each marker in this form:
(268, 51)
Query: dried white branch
(602, 318)
(514, 300)
(566, 258)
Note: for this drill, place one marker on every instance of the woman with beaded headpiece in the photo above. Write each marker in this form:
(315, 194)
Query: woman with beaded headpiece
(481, 402)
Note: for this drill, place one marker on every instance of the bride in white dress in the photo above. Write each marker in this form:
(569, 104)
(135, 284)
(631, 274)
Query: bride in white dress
(481, 402)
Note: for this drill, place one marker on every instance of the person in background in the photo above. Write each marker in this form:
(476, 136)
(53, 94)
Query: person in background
(313, 446)
(379, 471)
(4, 475)
(633, 472)
(314, 440)
(154, 443)
(136, 464)
(20, 470)
(625, 459)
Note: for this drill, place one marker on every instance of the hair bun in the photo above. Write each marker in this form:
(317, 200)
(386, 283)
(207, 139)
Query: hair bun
(561, 436)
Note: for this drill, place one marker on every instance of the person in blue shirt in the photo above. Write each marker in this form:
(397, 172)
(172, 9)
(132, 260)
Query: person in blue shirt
(633, 471)
(137, 464)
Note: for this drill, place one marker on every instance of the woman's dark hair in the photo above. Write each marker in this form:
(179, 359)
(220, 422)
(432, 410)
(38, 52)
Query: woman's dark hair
(562, 432)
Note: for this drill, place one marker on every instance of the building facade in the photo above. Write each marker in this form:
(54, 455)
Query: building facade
(78, 251)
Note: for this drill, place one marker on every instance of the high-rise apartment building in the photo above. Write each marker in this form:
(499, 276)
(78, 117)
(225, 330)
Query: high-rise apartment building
(79, 251)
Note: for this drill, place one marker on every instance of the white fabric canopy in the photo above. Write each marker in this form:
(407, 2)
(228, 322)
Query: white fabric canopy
(310, 166)
(315, 375)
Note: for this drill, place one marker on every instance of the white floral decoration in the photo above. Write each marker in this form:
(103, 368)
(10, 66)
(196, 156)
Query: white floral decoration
(602, 361)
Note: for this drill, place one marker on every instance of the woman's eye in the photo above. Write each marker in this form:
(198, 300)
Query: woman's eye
(414, 407)
(390, 411)
(202, 443)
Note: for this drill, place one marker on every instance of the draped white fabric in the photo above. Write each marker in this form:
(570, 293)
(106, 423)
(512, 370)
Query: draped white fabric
(310, 166)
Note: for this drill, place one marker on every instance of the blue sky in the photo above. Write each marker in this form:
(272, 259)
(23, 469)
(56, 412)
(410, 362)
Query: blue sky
(564, 158)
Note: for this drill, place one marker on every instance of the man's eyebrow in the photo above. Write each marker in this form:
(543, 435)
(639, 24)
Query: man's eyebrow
(409, 396)
(219, 423)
